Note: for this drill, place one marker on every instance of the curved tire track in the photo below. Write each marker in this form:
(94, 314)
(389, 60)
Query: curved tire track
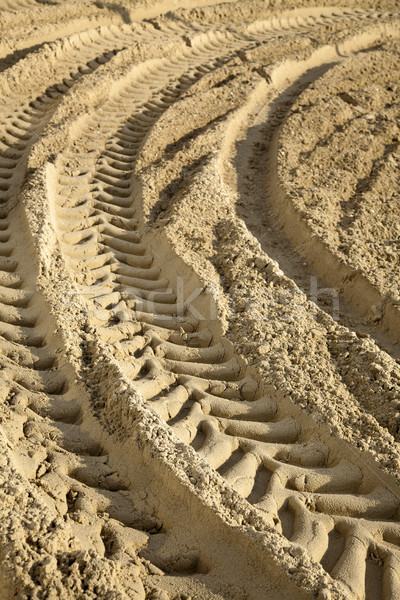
(193, 379)
(318, 492)
(44, 410)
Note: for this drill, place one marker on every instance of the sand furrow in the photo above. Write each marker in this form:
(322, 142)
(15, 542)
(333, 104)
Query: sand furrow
(318, 276)
(37, 391)
(302, 484)
(45, 423)
(375, 305)
(163, 381)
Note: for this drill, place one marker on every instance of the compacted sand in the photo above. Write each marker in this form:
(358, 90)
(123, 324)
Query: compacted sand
(199, 300)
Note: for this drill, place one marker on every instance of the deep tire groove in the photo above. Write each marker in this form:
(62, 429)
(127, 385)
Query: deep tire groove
(316, 497)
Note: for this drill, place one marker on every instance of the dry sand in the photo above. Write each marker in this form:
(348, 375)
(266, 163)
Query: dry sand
(199, 300)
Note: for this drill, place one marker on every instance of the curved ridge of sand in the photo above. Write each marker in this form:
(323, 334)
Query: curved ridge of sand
(359, 223)
(179, 418)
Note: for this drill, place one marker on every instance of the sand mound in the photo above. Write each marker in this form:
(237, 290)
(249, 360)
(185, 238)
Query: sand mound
(199, 300)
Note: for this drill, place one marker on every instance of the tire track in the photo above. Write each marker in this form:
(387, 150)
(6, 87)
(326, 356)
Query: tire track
(46, 424)
(22, 124)
(262, 188)
(70, 467)
(16, 6)
(377, 306)
(326, 500)
(28, 26)
(48, 427)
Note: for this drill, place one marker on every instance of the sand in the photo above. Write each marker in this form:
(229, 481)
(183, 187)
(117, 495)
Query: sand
(199, 300)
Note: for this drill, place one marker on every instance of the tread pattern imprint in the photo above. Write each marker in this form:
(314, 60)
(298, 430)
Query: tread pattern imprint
(145, 454)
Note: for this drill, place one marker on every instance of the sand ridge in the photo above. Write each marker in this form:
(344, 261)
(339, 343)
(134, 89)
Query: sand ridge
(181, 416)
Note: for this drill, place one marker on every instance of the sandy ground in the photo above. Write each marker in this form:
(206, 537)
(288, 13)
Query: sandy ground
(199, 300)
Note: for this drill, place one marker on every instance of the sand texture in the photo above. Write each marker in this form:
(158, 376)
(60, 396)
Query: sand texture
(199, 300)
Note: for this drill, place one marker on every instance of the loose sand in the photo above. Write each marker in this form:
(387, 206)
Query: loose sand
(199, 300)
